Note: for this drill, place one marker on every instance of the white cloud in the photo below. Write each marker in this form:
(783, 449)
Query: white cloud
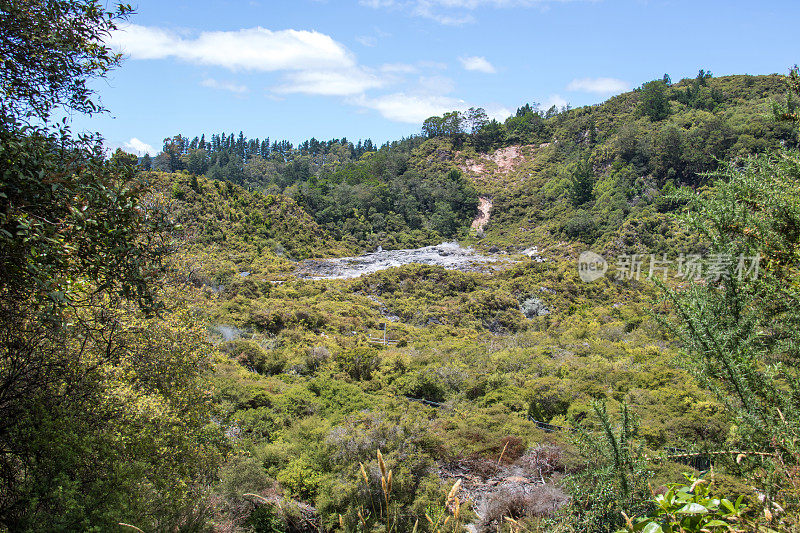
(307, 62)
(329, 82)
(367, 40)
(410, 108)
(414, 108)
(554, 100)
(498, 112)
(246, 49)
(398, 68)
(312, 62)
(477, 64)
(425, 10)
(224, 85)
(598, 85)
(455, 12)
(378, 3)
(139, 147)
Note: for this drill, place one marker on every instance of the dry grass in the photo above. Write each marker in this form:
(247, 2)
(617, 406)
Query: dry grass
(517, 502)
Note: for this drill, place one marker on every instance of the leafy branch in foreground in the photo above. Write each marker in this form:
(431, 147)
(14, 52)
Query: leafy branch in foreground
(104, 412)
(739, 331)
(49, 50)
(689, 508)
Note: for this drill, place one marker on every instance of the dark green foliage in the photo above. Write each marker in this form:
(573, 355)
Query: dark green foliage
(692, 507)
(65, 213)
(50, 51)
(358, 203)
(615, 479)
(786, 111)
(358, 362)
(740, 327)
(266, 519)
(582, 183)
(252, 356)
(104, 413)
(699, 95)
(365, 196)
(528, 123)
(489, 136)
(654, 101)
(448, 125)
(222, 213)
(636, 163)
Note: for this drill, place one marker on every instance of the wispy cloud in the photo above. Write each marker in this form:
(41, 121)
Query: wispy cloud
(455, 12)
(328, 82)
(224, 85)
(435, 85)
(398, 68)
(369, 41)
(554, 100)
(310, 63)
(378, 3)
(477, 64)
(410, 108)
(139, 147)
(498, 112)
(598, 85)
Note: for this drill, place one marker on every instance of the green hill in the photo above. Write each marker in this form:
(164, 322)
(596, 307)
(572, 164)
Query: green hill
(597, 176)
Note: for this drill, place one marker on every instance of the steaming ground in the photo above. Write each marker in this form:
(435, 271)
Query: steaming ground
(449, 255)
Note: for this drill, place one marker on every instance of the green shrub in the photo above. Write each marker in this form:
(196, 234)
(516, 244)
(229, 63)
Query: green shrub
(692, 508)
(300, 479)
(266, 519)
(358, 362)
(424, 385)
(252, 356)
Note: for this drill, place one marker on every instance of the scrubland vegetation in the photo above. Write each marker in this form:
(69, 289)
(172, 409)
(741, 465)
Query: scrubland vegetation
(163, 369)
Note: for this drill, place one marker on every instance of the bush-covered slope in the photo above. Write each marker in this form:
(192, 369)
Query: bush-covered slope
(597, 175)
(602, 175)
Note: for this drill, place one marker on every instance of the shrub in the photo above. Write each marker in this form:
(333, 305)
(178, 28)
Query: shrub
(300, 479)
(614, 477)
(424, 385)
(358, 362)
(252, 356)
(266, 519)
(691, 508)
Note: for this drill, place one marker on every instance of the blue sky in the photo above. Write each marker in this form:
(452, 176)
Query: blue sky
(376, 68)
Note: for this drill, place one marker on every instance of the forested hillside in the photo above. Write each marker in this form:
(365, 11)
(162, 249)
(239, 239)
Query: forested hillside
(599, 175)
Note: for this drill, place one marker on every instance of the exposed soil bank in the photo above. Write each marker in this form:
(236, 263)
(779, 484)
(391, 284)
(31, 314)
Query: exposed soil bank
(484, 211)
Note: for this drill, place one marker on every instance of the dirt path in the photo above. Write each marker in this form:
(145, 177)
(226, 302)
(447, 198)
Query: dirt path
(484, 211)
